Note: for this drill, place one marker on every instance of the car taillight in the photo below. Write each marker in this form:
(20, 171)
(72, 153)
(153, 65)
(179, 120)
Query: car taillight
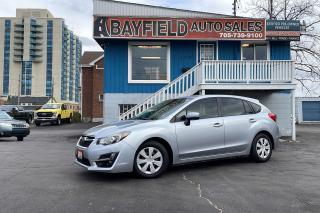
(272, 116)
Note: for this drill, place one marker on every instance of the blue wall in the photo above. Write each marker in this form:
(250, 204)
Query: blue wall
(182, 55)
(229, 50)
(280, 50)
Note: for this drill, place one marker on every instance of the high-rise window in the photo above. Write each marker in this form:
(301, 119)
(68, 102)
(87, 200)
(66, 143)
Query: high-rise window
(6, 53)
(49, 80)
(26, 78)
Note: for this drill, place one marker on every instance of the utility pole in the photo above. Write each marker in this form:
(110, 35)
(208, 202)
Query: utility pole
(234, 4)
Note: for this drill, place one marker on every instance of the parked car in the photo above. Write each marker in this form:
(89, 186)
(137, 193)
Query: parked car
(54, 113)
(179, 131)
(18, 112)
(10, 127)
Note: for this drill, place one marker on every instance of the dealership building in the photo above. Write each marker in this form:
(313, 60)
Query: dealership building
(156, 53)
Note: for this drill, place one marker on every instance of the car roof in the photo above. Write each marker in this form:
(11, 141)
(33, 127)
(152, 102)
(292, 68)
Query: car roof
(223, 96)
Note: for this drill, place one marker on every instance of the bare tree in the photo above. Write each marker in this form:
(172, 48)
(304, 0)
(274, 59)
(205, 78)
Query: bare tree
(306, 52)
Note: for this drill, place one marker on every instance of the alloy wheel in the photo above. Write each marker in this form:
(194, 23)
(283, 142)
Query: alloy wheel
(263, 148)
(149, 160)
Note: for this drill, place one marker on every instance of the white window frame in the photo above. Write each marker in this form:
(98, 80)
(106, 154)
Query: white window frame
(254, 49)
(130, 81)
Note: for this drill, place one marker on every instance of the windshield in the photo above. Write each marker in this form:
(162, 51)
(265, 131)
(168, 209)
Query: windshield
(51, 106)
(4, 116)
(160, 110)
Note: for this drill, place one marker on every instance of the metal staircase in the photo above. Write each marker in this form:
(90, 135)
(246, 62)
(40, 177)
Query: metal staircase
(185, 85)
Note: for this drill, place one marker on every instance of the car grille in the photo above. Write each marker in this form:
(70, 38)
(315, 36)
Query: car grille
(44, 114)
(85, 141)
(18, 126)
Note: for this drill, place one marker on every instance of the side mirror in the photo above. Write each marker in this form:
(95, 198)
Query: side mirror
(191, 116)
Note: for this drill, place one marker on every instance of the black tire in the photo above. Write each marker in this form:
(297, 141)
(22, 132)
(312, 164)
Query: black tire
(58, 122)
(70, 119)
(266, 150)
(19, 138)
(29, 120)
(165, 160)
(37, 123)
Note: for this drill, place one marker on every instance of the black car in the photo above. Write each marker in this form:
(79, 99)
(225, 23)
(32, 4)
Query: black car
(18, 113)
(10, 127)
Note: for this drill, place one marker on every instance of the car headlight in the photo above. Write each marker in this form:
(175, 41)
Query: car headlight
(113, 139)
(54, 114)
(6, 125)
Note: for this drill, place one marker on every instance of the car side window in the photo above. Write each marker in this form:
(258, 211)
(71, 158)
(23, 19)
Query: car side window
(207, 108)
(248, 108)
(20, 108)
(232, 107)
(255, 107)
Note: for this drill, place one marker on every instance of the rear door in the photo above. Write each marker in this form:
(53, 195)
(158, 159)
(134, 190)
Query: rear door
(237, 123)
(203, 137)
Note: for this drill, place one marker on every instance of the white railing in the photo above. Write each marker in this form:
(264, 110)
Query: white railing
(247, 71)
(184, 85)
(218, 72)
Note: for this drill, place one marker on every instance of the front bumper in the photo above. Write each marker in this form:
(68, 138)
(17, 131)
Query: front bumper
(22, 132)
(123, 162)
(45, 119)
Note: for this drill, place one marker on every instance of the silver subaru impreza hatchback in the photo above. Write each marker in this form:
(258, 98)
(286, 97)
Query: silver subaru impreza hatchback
(179, 131)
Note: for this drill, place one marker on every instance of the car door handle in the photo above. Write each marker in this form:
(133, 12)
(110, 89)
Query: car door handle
(217, 124)
(252, 120)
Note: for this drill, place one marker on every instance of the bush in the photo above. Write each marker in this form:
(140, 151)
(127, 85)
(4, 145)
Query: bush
(76, 117)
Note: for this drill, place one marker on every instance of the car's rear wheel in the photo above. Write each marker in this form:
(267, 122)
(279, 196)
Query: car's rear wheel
(70, 119)
(261, 149)
(151, 160)
(19, 138)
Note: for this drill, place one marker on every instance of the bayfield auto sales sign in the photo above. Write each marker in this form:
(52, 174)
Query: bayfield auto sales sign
(177, 28)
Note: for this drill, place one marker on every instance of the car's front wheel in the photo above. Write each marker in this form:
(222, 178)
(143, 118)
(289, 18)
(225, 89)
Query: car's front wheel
(151, 160)
(261, 149)
(19, 138)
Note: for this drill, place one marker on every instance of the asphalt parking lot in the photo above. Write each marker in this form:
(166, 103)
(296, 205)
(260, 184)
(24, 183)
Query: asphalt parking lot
(38, 175)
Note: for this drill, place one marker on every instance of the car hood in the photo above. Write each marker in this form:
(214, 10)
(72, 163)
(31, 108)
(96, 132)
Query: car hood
(107, 129)
(12, 121)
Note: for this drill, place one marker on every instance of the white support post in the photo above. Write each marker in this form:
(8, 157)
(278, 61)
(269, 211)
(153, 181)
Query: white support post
(203, 92)
(293, 97)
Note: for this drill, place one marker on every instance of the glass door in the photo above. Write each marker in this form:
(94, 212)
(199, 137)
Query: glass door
(207, 51)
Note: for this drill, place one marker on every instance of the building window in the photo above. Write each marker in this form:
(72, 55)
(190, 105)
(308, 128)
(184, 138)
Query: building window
(123, 108)
(49, 80)
(100, 97)
(207, 52)
(26, 78)
(251, 51)
(6, 54)
(149, 63)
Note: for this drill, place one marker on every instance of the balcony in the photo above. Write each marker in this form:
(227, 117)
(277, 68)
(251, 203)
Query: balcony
(245, 74)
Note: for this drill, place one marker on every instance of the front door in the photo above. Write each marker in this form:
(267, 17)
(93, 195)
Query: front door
(203, 137)
(206, 51)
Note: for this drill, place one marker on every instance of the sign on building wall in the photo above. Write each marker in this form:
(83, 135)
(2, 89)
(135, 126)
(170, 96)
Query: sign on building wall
(180, 28)
(283, 30)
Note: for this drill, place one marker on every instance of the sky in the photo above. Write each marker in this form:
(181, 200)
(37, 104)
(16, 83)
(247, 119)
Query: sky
(78, 13)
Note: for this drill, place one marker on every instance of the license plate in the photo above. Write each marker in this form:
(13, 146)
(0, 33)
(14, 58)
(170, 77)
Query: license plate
(79, 154)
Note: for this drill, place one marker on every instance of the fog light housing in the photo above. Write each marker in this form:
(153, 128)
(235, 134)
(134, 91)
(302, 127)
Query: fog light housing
(107, 160)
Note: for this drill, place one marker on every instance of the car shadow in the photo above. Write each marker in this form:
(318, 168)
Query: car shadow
(173, 170)
(8, 140)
